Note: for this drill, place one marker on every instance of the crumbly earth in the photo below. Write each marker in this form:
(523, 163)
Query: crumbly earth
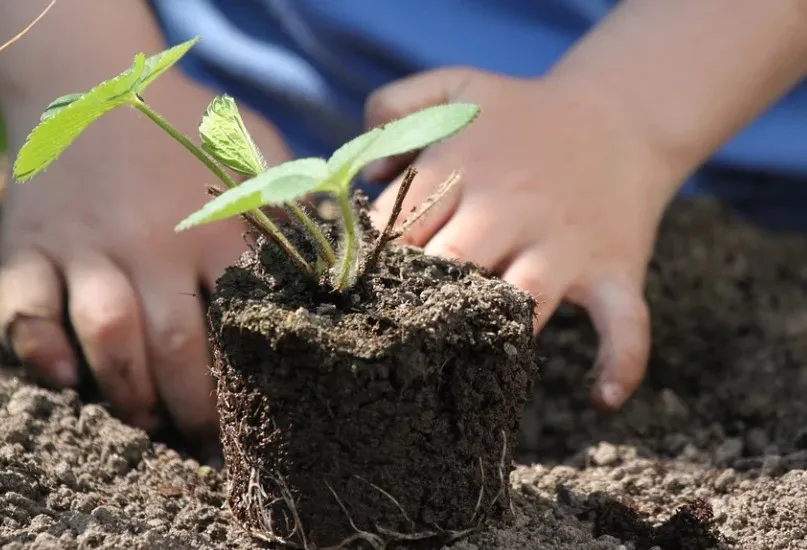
(390, 411)
(720, 426)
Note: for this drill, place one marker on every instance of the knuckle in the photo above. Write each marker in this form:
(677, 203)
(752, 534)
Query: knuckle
(530, 282)
(115, 370)
(453, 251)
(21, 335)
(172, 338)
(104, 319)
(379, 107)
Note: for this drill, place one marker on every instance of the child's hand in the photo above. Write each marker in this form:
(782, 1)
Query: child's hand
(559, 195)
(93, 241)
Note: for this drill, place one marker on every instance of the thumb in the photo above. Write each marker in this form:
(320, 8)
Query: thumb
(622, 320)
(406, 96)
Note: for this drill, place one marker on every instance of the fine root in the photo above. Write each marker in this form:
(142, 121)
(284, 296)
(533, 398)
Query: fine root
(448, 536)
(373, 540)
(259, 506)
(259, 512)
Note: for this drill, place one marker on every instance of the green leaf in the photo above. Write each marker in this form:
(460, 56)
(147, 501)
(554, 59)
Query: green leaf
(58, 104)
(348, 152)
(226, 138)
(55, 134)
(157, 64)
(417, 131)
(284, 183)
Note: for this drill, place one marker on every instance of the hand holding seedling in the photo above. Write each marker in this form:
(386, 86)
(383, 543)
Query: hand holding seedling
(564, 180)
(559, 195)
(169, 364)
(565, 177)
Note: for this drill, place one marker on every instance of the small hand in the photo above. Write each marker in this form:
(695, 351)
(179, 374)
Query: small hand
(558, 196)
(92, 242)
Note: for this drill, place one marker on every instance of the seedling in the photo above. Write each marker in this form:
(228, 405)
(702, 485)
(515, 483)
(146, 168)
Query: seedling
(226, 143)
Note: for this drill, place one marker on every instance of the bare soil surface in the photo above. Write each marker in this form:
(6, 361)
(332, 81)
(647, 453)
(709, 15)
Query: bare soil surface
(711, 452)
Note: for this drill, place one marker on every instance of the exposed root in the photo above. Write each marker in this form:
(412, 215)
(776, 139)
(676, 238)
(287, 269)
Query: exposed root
(258, 508)
(481, 496)
(391, 499)
(373, 540)
(503, 476)
(448, 535)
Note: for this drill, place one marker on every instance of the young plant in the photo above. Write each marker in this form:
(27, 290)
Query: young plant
(226, 143)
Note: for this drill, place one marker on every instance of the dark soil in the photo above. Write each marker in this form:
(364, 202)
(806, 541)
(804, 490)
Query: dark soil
(387, 413)
(721, 419)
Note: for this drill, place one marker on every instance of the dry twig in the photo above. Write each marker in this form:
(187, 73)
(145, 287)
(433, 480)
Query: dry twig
(24, 31)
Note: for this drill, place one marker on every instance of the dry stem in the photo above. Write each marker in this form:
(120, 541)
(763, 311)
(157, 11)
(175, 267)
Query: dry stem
(386, 235)
(433, 200)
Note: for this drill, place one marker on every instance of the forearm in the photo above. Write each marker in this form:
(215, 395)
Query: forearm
(691, 73)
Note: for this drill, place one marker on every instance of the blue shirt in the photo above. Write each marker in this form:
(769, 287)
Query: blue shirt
(308, 65)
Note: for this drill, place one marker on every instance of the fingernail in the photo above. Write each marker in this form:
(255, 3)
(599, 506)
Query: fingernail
(64, 373)
(612, 394)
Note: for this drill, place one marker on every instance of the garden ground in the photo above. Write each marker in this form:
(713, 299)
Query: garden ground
(719, 427)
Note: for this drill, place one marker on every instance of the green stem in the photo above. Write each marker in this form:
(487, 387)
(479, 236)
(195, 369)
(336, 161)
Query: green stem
(259, 216)
(350, 247)
(186, 143)
(323, 246)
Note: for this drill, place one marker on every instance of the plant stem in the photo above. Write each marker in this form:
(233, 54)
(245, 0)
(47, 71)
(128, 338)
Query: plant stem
(186, 143)
(323, 246)
(267, 224)
(350, 247)
(386, 234)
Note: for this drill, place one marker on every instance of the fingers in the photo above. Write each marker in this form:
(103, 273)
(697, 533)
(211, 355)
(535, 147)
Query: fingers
(107, 321)
(31, 311)
(617, 309)
(177, 341)
(530, 271)
(472, 235)
(413, 93)
(403, 97)
(423, 186)
(621, 317)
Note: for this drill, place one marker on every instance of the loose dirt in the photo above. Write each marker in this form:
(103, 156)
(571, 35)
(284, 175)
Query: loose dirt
(711, 451)
(389, 411)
